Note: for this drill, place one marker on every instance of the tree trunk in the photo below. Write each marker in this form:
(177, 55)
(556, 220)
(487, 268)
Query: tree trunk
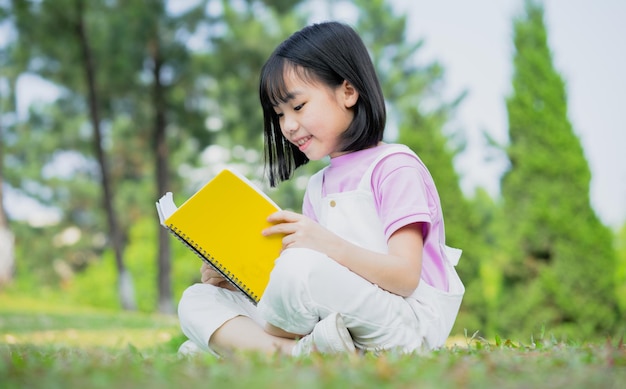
(7, 259)
(126, 290)
(165, 303)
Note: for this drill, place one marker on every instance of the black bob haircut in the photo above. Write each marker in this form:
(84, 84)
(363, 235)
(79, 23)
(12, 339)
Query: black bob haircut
(330, 53)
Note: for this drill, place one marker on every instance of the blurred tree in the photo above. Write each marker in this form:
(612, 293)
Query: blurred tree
(8, 79)
(144, 75)
(149, 76)
(83, 36)
(561, 272)
(168, 61)
(620, 274)
(68, 21)
(7, 258)
(488, 242)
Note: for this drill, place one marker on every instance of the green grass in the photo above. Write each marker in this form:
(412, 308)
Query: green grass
(43, 346)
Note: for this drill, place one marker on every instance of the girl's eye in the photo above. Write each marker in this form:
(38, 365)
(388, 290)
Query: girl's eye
(279, 114)
(298, 107)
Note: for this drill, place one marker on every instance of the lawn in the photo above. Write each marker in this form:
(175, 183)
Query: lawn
(52, 346)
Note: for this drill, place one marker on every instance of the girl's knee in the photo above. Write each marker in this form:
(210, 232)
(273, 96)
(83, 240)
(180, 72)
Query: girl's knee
(294, 280)
(297, 269)
(195, 297)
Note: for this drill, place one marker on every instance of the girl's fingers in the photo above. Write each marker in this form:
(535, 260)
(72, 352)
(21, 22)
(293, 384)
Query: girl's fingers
(282, 228)
(283, 217)
(283, 222)
(208, 275)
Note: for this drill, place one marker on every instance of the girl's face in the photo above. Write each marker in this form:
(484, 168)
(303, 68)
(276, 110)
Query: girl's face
(314, 115)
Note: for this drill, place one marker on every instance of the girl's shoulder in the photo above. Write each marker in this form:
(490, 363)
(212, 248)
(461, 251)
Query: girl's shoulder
(398, 163)
(393, 156)
(383, 152)
(346, 171)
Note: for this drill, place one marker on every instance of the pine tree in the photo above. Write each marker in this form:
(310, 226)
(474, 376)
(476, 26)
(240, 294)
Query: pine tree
(560, 273)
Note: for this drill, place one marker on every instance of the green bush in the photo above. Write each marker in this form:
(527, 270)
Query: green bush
(97, 285)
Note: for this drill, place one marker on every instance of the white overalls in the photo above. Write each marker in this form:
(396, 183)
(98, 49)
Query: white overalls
(306, 286)
(376, 318)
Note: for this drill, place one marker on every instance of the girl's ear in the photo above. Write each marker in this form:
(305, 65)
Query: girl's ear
(350, 94)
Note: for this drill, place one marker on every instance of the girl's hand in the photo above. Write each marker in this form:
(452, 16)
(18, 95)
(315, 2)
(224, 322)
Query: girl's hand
(208, 275)
(300, 231)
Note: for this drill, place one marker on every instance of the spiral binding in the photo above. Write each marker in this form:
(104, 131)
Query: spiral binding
(209, 259)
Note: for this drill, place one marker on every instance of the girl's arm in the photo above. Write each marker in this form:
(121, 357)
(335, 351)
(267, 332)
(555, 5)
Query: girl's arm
(398, 271)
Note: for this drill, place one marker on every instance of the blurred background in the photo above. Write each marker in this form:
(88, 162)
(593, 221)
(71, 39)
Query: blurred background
(513, 105)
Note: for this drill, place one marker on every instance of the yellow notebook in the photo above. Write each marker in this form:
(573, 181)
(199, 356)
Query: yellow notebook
(222, 224)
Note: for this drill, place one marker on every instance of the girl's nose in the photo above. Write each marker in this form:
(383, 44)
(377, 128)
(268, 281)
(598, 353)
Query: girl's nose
(290, 125)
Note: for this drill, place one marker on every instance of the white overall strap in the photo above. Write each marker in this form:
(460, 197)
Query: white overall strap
(314, 189)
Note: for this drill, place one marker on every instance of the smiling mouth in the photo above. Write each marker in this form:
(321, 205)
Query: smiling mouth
(302, 141)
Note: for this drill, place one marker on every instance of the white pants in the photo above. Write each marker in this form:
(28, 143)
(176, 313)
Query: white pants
(306, 286)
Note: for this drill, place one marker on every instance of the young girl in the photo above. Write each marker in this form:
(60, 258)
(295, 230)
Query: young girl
(365, 266)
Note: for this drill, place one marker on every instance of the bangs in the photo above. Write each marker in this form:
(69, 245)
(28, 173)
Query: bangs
(273, 88)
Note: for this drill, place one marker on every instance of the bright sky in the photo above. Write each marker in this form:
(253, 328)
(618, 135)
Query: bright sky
(473, 41)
